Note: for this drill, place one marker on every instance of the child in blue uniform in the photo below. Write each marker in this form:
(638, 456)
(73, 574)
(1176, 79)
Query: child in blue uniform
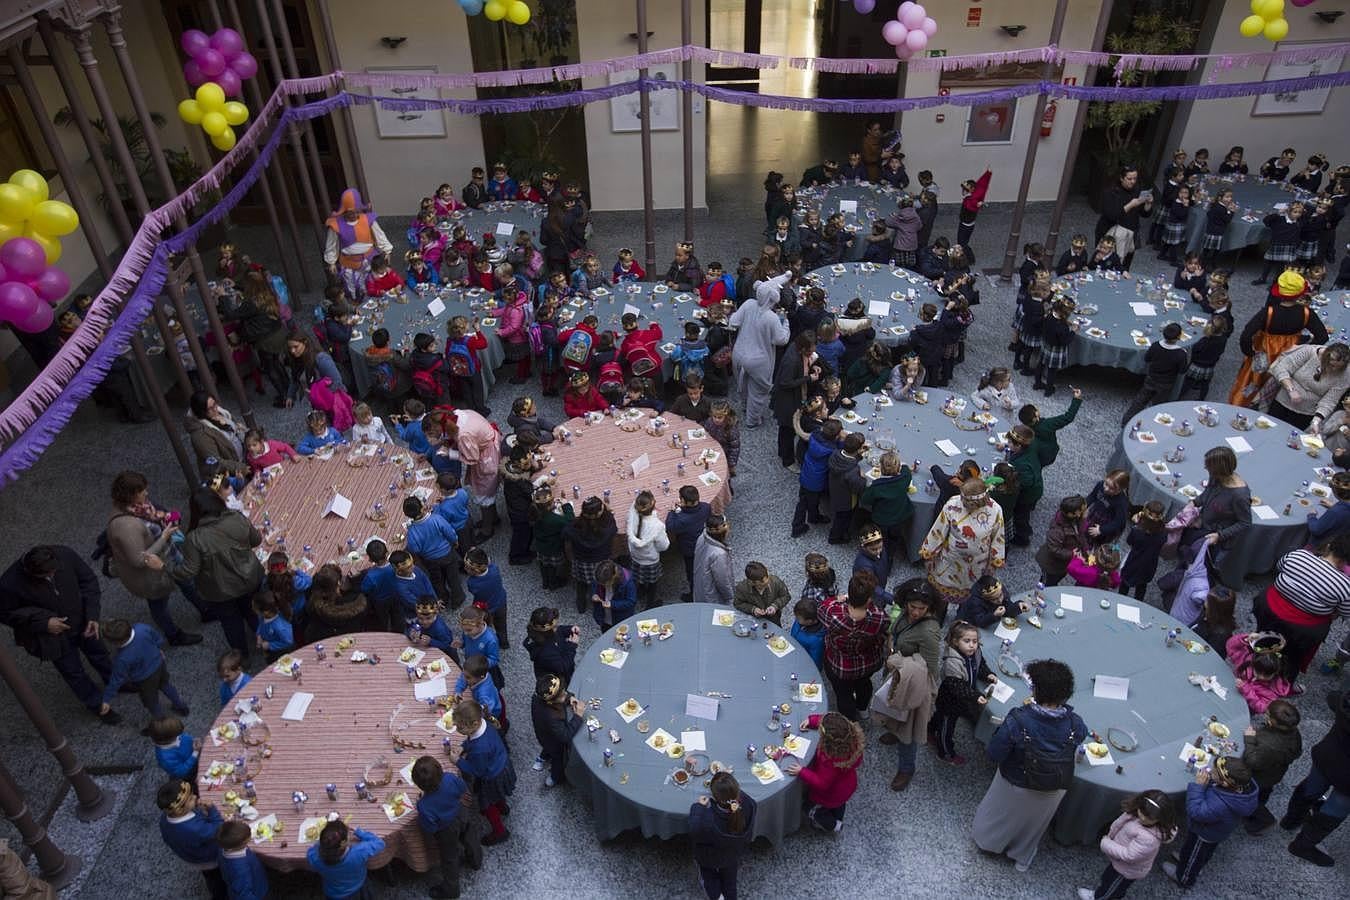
(321, 434)
(489, 594)
(476, 637)
(807, 630)
(175, 750)
(378, 584)
(454, 502)
(188, 828)
(341, 863)
(140, 663)
(230, 669)
(410, 584)
(484, 762)
(444, 819)
(473, 683)
(431, 629)
(244, 875)
(409, 426)
(275, 635)
(432, 541)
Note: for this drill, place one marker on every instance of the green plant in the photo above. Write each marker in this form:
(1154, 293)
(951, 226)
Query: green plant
(551, 28)
(134, 136)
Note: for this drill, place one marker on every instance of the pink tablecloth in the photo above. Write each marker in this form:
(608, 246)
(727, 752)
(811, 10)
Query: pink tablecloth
(600, 459)
(345, 729)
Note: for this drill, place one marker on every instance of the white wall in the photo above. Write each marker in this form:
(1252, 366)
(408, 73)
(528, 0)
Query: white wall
(1219, 124)
(615, 159)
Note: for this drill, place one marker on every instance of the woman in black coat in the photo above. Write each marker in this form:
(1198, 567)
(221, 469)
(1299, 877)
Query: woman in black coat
(791, 383)
(1122, 207)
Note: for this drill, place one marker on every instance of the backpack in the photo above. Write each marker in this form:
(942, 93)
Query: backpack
(385, 378)
(459, 360)
(535, 335)
(722, 358)
(427, 382)
(1048, 771)
(692, 361)
(641, 359)
(576, 353)
(103, 550)
(611, 377)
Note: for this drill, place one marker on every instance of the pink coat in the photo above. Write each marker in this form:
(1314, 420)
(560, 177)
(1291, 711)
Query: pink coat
(479, 447)
(1085, 575)
(337, 404)
(1131, 846)
(830, 782)
(1258, 694)
(511, 320)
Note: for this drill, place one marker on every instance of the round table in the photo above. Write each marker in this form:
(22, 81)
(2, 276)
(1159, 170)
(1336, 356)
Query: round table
(1274, 471)
(703, 656)
(345, 729)
(1116, 334)
(653, 303)
(1256, 198)
(902, 290)
(598, 460)
(870, 203)
(288, 506)
(1162, 710)
(1333, 308)
(492, 216)
(913, 430)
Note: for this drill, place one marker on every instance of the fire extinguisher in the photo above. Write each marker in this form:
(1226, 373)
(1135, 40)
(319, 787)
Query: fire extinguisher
(1048, 119)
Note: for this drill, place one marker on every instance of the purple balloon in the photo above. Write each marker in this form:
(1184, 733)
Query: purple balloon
(916, 41)
(227, 41)
(1302, 2)
(864, 7)
(17, 301)
(51, 285)
(194, 74)
(23, 259)
(894, 33)
(194, 42)
(229, 83)
(40, 319)
(211, 62)
(913, 17)
(244, 65)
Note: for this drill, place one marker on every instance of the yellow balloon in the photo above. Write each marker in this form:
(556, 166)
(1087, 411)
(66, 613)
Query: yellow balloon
(1276, 30)
(495, 10)
(213, 123)
(50, 245)
(1270, 10)
(34, 182)
(517, 13)
(54, 218)
(1252, 26)
(235, 113)
(190, 111)
(211, 97)
(224, 141)
(16, 203)
(10, 230)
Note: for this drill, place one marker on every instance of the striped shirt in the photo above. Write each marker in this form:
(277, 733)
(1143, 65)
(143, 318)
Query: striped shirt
(1312, 584)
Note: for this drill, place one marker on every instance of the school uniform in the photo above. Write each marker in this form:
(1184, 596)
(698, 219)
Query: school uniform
(178, 759)
(278, 634)
(347, 877)
(192, 838)
(1174, 229)
(1056, 337)
(1310, 236)
(487, 767)
(485, 644)
(485, 694)
(432, 541)
(1164, 363)
(489, 595)
(552, 653)
(1217, 217)
(1205, 355)
(1187, 282)
(1284, 238)
(454, 831)
(406, 592)
(1274, 169)
(244, 875)
(554, 729)
(140, 663)
(1108, 263)
(1071, 262)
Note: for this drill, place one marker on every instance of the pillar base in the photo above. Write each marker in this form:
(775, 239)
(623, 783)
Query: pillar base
(66, 874)
(97, 810)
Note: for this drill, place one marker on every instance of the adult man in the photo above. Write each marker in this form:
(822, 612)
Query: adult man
(51, 600)
(354, 236)
(713, 581)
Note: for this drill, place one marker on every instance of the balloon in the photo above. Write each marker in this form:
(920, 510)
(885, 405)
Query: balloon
(190, 111)
(54, 218)
(916, 40)
(244, 65)
(51, 247)
(904, 6)
(903, 51)
(1301, 3)
(17, 301)
(211, 62)
(894, 33)
(16, 203)
(495, 10)
(51, 285)
(235, 113)
(23, 259)
(40, 319)
(229, 83)
(913, 17)
(471, 7)
(227, 42)
(864, 7)
(27, 178)
(214, 123)
(1276, 30)
(224, 142)
(210, 97)
(1252, 26)
(194, 42)
(193, 74)
(929, 27)
(1269, 10)
(9, 231)
(517, 13)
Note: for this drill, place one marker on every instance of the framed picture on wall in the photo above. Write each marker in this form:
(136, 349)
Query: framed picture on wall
(1297, 103)
(408, 123)
(990, 124)
(625, 113)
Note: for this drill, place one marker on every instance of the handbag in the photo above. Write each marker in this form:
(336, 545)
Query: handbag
(1179, 523)
(880, 703)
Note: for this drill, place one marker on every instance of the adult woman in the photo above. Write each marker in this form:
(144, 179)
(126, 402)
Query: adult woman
(556, 238)
(1309, 592)
(259, 316)
(1270, 333)
(875, 151)
(917, 637)
(335, 606)
(478, 446)
(965, 543)
(1108, 507)
(133, 532)
(1034, 749)
(1224, 507)
(308, 363)
(1312, 380)
(797, 371)
(855, 644)
(214, 434)
(760, 328)
(1122, 206)
(591, 538)
(218, 555)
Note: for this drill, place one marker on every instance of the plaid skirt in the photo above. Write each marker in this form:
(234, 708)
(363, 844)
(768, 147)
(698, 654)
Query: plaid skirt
(1282, 253)
(646, 573)
(1029, 341)
(1054, 358)
(550, 562)
(1200, 373)
(1017, 316)
(584, 572)
(905, 258)
(1212, 242)
(1310, 250)
(1174, 232)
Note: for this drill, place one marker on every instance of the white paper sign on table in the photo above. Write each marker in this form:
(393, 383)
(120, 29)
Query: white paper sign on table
(1127, 612)
(435, 307)
(1144, 309)
(693, 740)
(948, 447)
(630, 308)
(505, 229)
(1239, 444)
(848, 206)
(1264, 512)
(641, 464)
(1002, 692)
(297, 706)
(878, 308)
(1111, 687)
(430, 690)
(338, 506)
(700, 707)
(1071, 602)
(1007, 634)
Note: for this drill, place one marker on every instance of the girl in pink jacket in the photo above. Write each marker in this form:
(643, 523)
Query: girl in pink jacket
(1258, 664)
(832, 776)
(1132, 843)
(513, 322)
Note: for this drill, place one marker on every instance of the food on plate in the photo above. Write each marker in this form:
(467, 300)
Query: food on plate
(725, 618)
(778, 642)
(1219, 730)
(667, 627)
(608, 655)
(630, 706)
(675, 751)
(311, 832)
(1097, 749)
(761, 770)
(407, 655)
(659, 741)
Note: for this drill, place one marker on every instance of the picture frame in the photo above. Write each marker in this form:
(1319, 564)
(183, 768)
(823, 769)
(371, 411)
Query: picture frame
(1297, 103)
(990, 124)
(1002, 75)
(625, 112)
(394, 124)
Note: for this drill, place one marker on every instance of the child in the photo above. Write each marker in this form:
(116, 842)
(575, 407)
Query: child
(988, 602)
(262, 453)
(829, 348)
(1312, 237)
(454, 270)
(1216, 802)
(1217, 216)
(242, 871)
(926, 183)
(587, 276)
(1258, 666)
(647, 540)
(1217, 620)
(691, 353)
(453, 506)
(1098, 569)
(1269, 750)
(1285, 229)
(1145, 542)
(877, 244)
(229, 264)
(821, 582)
(444, 201)
(832, 776)
(517, 473)
(502, 186)
(1205, 356)
(1105, 259)
(321, 434)
(692, 405)
(442, 816)
(484, 762)
(996, 391)
(1032, 256)
(230, 670)
(275, 635)
(807, 630)
(1310, 179)
(369, 428)
(548, 519)
(722, 426)
(1277, 168)
(528, 193)
(1174, 228)
(1028, 326)
(475, 192)
(430, 630)
(188, 827)
(340, 862)
(581, 397)
(872, 554)
(476, 637)
(557, 716)
(845, 483)
(637, 395)
(1056, 337)
(409, 584)
(419, 273)
(1075, 259)
(175, 750)
(1232, 163)
(1132, 842)
(973, 193)
(964, 676)
(626, 268)
(613, 594)
(139, 662)
(760, 594)
(473, 684)
(1063, 539)
(432, 540)
(1199, 165)
(684, 524)
(927, 342)
(379, 582)
(721, 828)
(383, 280)
(553, 650)
(489, 594)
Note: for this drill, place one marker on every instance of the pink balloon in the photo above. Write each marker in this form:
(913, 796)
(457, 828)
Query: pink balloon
(894, 32)
(916, 40)
(903, 52)
(17, 301)
(244, 65)
(51, 285)
(23, 259)
(229, 83)
(227, 41)
(929, 27)
(40, 319)
(211, 62)
(904, 6)
(864, 7)
(194, 74)
(194, 42)
(913, 17)
(1301, 2)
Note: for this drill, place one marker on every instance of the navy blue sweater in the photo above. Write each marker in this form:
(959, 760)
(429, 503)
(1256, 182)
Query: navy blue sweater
(244, 876)
(193, 840)
(439, 809)
(136, 661)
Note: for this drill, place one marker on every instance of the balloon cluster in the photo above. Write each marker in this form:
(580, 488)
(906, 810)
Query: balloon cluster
(513, 11)
(28, 285)
(26, 211)
(910, 30)
(219, 58)
(217, 116)
(1267, 20)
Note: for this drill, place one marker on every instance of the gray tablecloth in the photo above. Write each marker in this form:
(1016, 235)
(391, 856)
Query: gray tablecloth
(1255, 198)
(874, 201)
(1333, 308)
(912, 430)
(1127, 334)
(881, 284)
(1163, 710)
(700, 657)
(490, 216)
(1272, 469)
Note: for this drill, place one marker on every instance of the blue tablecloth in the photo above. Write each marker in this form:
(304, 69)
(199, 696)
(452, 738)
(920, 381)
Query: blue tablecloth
(891, 285)
(636, 792)
(872, 202)
(1162, 709)
(1256, 199)
(489, 217)
(1115, 335)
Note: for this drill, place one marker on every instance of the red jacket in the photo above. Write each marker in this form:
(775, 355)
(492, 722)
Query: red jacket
(485, 280)
(641, 342)
(711, 292)
(386, 282)
(975, 199)
(575, 404)
(830, 781)
(532, 195)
